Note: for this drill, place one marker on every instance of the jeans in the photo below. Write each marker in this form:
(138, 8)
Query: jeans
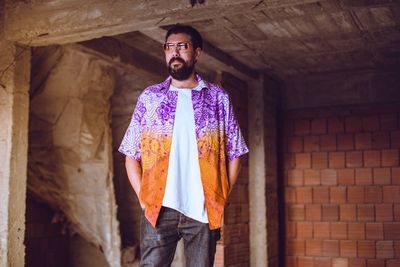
(158, 245)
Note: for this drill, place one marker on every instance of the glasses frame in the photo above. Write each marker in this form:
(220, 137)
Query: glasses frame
(181, 46)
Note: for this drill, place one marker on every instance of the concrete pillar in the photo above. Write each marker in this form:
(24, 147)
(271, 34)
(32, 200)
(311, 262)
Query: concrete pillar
(257, 175)
(14, 110)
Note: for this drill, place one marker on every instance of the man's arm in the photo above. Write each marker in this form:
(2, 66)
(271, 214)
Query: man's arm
(134, 171)
(233, 172)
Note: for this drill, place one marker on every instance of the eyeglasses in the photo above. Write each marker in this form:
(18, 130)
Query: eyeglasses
(183, 46)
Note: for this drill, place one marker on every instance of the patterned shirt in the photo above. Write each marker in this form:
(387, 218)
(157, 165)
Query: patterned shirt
(149, 135)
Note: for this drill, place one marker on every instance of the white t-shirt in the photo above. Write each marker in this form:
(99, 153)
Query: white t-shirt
(184, 189)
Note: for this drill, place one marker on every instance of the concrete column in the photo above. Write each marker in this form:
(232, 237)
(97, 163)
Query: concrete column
(14, 110)
(257, 175)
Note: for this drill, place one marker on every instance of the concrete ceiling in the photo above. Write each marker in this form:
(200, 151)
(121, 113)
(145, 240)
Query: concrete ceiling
(297, 39)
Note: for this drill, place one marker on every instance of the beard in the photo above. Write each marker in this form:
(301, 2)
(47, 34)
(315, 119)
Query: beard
(182, 72)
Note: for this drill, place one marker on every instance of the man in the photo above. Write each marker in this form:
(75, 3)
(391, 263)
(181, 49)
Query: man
(182, 152)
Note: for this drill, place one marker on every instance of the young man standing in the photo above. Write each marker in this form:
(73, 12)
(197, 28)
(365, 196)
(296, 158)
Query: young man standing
(182, 152)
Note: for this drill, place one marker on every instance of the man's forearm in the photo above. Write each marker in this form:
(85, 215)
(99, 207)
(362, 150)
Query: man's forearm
(134, 171)
(233, 172)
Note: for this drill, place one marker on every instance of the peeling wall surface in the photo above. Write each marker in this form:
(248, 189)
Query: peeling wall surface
(70, 151)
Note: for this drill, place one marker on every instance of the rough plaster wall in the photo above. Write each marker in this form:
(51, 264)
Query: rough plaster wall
(14, 101)
(70, 156)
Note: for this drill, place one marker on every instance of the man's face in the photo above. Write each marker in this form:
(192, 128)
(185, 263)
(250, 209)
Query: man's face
(180, 56)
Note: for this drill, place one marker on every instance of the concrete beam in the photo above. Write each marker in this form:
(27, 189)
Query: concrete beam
(212, 58)
(14, 112)
(257, 176)
(127, 56)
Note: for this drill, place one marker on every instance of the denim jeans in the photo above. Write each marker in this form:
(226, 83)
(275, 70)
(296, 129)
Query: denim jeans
(158, 245)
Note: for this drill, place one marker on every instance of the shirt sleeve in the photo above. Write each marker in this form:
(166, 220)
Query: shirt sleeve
(236, 146)
(130, 145)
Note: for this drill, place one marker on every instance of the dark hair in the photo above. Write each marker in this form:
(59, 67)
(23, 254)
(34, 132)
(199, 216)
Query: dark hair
(189, 30)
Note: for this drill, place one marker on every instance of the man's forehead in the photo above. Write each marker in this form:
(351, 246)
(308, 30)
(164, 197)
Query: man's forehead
(179, 37)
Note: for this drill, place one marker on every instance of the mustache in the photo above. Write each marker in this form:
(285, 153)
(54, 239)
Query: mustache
(176, 59)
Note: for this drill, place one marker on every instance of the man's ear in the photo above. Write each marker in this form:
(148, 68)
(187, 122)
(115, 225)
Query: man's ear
(197, 53)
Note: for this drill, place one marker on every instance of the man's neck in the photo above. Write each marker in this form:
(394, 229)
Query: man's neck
(188, 83)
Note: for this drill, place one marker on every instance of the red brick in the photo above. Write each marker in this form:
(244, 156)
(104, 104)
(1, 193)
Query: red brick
(303, 160)
(322, 262)
(330, 212)
(305, 262)
(321, 194)
(290, 228)
(311, 143)
(395, 139)
(348, 248)
(290, 195)
(337, 159)
(372, 194)
(345, 141)
(346, 176)
(327, 142)
(391, 194)
(396, 176)
(295, 177)
(365, 212)
(319, 160)
(380, 140)
(291, 261)
(363, 141)
(335, 125)
(338, 230)
(295, 247)
(375, 263)
(393, 263)
(354, 159)
(371, 123)
(374, 231)
(390, 158)
(353, 124)
(318, 126)
(397, 249)
(330, 248)
(295, 144)
(338, 194)
(301, 127)
(384, 212)
(372, 158)
(289, 161)
(392, 230)
(313, 212)
(366, 249)
(355, 194)
(382, 176)
(396, 212)
(340, 262)
(328, 177)
(312, 177)
(364, 176)
(357, 263)
(313, 247)
(304, 195)
(384, 249)
(348, 212)
(356, 231)
(296, 212)
(388, 121)
(304, 230)
(321, 230)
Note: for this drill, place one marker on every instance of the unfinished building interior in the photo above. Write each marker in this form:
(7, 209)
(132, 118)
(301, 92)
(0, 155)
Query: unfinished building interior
(316, 89)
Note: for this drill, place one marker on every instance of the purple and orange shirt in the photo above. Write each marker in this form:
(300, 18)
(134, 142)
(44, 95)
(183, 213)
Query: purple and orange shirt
(149, 136)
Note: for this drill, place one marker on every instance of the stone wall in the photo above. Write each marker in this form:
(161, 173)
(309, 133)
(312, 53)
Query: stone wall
(70, 164)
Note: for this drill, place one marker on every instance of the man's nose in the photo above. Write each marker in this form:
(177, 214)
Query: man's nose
(175, 51)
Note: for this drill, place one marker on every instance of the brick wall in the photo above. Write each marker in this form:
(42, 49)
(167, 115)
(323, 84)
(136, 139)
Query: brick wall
(342, 186)
(46, 246)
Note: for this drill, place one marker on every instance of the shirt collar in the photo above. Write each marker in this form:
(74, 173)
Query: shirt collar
(165, 84)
